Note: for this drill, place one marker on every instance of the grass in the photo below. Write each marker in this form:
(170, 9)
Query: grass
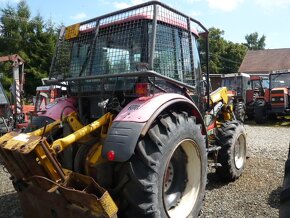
(279, 121)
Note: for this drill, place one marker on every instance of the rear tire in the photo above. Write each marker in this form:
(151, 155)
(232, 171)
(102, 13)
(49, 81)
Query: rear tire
(166, 176)
(240, 111)
(260, 112)
(232, 156)
(284, 209)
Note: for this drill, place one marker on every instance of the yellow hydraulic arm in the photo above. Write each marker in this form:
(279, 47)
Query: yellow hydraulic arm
(62, 143)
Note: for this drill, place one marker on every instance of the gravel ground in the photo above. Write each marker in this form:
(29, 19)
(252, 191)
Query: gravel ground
(254, 194)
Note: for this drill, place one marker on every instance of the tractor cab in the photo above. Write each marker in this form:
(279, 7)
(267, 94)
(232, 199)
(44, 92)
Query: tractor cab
(237, 85)
(46, 95)
(259, 88)
(280, 92)
(118, 54)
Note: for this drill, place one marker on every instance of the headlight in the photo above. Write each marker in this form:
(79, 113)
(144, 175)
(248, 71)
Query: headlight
(273, 99)
(281, 99)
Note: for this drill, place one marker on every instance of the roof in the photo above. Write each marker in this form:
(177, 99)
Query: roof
(265, 60)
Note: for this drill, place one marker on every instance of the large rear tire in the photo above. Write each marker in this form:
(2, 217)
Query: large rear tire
(260, 112)
(166, 176)
(232, 156)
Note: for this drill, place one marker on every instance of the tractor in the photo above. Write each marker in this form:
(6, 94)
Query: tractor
(277, 102)
(259, 89)
(138, 129)
(237, 84)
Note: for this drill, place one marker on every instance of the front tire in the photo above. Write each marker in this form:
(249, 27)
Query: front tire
(166, 176)
(240, 111)
(232, 156)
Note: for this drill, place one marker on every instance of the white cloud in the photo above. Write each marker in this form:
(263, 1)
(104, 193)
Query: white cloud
(224, 5)
(195, 14)
(269, 5)
(122, 5)
(79, 16)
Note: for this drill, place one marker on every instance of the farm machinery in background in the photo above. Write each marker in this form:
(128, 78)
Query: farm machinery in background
(12, 115)
(247, 92)
(259, 88)
(277, 102)
(237, 85)
(138, 129)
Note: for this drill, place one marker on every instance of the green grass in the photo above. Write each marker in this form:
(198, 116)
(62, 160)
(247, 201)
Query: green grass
(279, 121)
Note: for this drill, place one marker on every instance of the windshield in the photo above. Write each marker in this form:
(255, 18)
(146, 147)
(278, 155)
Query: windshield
(232, 83)
(256, 84)
(280, 80)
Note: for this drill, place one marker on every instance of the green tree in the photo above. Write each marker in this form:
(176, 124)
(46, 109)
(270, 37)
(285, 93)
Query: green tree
(32, 38)
(254, 42)
(225, 56)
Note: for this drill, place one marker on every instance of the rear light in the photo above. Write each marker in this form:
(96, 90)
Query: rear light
(111, 155)
(142, 89)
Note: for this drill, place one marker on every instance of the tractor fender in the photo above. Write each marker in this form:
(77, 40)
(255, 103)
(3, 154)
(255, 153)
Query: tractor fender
(135, 120)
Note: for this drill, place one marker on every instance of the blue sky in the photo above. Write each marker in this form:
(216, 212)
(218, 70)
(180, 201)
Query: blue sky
(236, 17)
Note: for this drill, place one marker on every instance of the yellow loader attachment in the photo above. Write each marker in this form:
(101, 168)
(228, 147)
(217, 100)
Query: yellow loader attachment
(45, 188)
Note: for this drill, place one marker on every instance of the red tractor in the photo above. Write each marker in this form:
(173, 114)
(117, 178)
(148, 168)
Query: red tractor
(140, 136)
(276, 101)
(259, 88)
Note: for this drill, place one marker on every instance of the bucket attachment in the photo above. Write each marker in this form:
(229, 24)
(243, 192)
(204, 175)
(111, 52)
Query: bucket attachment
(46, 189)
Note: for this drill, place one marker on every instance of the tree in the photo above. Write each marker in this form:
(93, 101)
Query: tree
(225, 56)
(254, 42)
(32, 38)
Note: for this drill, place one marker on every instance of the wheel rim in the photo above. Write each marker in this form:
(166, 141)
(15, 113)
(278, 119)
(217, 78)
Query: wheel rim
(169, 175)
(240, 152)
(181, 205)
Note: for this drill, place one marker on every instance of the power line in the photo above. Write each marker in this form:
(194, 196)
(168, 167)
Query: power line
(225, 59)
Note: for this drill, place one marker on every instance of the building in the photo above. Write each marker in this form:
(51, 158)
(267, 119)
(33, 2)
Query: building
(262, 62)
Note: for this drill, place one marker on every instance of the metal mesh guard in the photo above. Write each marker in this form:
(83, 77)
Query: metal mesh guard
(122, 43)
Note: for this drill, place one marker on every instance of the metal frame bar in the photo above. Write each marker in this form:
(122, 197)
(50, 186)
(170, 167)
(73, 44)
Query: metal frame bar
(152, 49)
(155, 3)
(132, 74)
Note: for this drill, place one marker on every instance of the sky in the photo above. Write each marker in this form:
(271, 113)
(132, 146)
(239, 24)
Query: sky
(236, 18)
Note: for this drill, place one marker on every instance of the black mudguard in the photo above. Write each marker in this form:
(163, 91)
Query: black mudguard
(122, 139)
